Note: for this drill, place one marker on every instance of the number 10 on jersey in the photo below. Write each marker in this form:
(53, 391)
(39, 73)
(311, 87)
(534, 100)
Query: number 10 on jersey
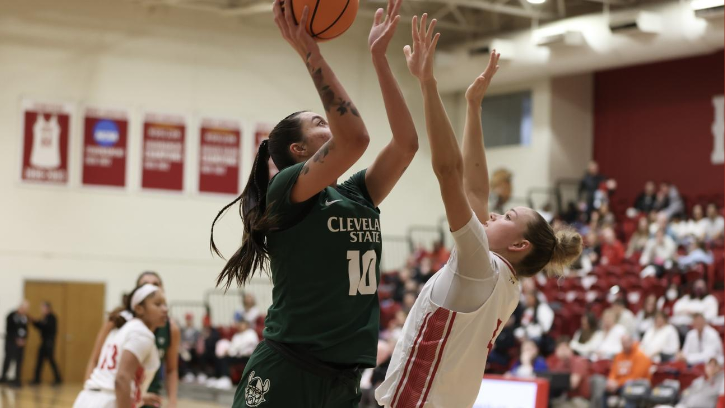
(365, 283)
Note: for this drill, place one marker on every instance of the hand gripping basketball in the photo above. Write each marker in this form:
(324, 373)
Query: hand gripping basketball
(292, 32)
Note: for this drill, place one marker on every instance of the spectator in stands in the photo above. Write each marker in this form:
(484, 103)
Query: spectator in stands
(661, 342)
(409, 300)
(424, 271)
(678, 230)
(395, 328)
(606, 215)
(501, 189)
(675, 205)
(399, 284)
(536, 322)
(565, 361)
(667, 302)
(630, 364)
(588, 337)
(547, 212)
(612, 249)
(696, 226)
(505, 342)
(207, 350)
(698, 301)
(705, 391)
(251, 312)
(244, 341)
(714, 224)
(658, 255)
(589, 185)
(645, 202)
(638, 240)
(440, 255)
(592, 249)
(697, 254)
(623, 315)
(701, 343)
(189, 359)
(612, 334)
(530, 363)
(646, 315)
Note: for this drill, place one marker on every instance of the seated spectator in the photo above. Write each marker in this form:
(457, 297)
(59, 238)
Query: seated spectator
(440, 255)
(530, 363)
(589, 185)
(409, 300)
(424, 271)
(678, 230)
(698, 301)
(536, 322)
(666, 303)
(645, 201)
(658, 255)
(705, 391)
(662, 199)
(592, 247)
(189, 359)
(250, 311)
(395, 328)
(399, 284)
(624, 316)
(245, 341)
(612, 249)
(646, 315)
(661, 342)
(638, 240)
(630, 364)
(697, 254)
(697, 226)
(659, 221)
(701, 343)
(606, 215)
(612, 334)
(675, 203)
(565, 361)
(587, 339)
(505, 342)
(206, 349)
(714, 224)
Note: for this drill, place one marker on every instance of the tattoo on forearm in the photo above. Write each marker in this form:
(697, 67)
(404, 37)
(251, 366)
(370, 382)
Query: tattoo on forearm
(320, 156)
(329, 99)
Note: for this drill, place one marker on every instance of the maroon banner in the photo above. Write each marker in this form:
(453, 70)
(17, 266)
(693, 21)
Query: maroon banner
(105, 147)
(46, 134)
(262, 132)
(219, 158)
(163, 152)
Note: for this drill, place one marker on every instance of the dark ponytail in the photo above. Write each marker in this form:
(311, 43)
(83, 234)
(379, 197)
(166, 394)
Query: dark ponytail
(254, 254)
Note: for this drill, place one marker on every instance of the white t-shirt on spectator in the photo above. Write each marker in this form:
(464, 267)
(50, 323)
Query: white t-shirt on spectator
(684, 308)
(664, 340)
(244, 343)
(543, 323)
(654, 253)
(644, 323)
(251, 315)
(587, 349)
(700, 349)
(697, 229)
(628, 321)
(714, 228)
(611, 344)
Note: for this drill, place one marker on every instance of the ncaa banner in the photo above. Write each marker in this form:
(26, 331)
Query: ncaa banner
(105, 147)
(46, 136)
(164, 138)
(219, 156)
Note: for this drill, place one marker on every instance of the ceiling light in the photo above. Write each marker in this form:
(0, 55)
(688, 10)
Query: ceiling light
(536, 1)
(706, 4)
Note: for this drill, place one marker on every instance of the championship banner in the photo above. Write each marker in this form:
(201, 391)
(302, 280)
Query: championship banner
(219, 156)
(105, 147)
(46, 136)
(262, 132)
(163, 152)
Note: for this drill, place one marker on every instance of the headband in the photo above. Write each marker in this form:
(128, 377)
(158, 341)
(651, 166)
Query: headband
(142, 293)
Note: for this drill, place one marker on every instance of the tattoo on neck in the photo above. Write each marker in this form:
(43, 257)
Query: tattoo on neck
(329, 99)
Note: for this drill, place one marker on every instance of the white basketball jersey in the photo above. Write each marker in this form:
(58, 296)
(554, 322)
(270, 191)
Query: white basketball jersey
(440, 359)
(46, 143)
(136, 338)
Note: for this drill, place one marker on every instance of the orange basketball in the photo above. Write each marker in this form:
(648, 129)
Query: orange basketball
(328, 19)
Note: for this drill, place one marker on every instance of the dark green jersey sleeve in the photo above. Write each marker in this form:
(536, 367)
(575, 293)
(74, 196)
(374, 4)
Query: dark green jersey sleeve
(279, 203)
(356, 189)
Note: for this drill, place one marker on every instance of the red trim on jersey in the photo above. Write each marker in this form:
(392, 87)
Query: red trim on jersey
(438, 363)
(507, 264)
(138, 381)
(428, 350)
(410, 357)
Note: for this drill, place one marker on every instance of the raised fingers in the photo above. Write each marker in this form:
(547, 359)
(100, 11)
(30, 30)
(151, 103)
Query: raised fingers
(415, 30)
(421, 28)
(429, 33)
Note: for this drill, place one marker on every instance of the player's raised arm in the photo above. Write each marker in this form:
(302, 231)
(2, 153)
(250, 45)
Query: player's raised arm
(475, 169)
(445, 153)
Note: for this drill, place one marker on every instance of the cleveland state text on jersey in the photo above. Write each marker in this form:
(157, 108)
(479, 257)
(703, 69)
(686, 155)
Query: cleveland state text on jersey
(360, 229)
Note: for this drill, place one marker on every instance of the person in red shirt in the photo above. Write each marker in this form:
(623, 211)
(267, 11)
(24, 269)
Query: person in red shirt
(612, 248)
(565, 361)
(631, 364)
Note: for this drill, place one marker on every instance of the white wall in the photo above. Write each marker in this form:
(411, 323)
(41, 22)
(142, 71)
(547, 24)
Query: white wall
(119, 54)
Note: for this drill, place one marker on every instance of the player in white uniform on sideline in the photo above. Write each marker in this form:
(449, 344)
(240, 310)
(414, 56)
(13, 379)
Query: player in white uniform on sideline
(440, 359)
(129, 358)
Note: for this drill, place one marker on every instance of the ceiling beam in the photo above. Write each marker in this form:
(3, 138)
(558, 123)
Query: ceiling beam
(501, 8)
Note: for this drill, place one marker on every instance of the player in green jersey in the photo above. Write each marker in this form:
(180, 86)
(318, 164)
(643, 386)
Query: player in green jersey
(322, 239)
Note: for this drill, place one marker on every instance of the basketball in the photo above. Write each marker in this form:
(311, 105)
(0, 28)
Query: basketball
(328, 19)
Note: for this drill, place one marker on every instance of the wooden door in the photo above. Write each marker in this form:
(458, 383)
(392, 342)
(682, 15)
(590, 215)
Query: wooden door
(79, 308)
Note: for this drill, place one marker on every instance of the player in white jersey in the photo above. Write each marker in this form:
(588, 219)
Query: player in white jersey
(440, 359)
(129, 358)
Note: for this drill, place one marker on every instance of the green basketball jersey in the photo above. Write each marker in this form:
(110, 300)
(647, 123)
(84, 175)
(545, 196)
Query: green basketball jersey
(163, 340)
(325, 263)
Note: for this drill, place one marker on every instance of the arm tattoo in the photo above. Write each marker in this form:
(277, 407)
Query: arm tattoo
(329, 99)
(320, 156)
